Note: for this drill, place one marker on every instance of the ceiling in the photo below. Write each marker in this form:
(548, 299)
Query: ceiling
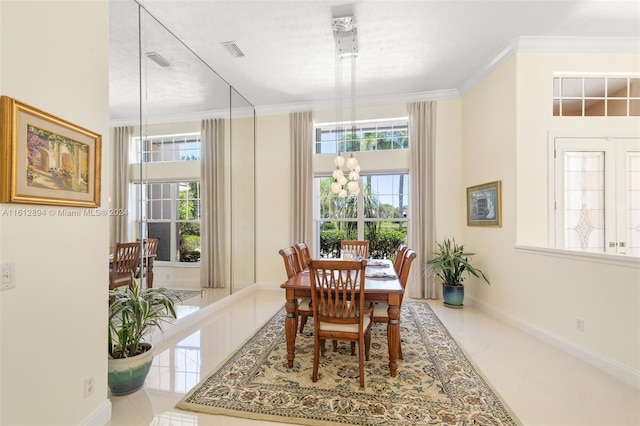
(405, 47)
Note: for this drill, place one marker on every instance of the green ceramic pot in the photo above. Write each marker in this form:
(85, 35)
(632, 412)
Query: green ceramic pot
(127, 375)
(453, 295)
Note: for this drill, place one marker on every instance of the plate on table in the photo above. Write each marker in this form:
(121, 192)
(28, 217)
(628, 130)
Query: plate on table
(376, 263)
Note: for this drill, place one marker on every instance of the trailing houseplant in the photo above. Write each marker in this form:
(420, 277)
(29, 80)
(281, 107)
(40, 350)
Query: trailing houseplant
(451, 264)
(133, 313)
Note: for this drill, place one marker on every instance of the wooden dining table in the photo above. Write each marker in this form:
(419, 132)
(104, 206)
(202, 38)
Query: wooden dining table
(388, 290)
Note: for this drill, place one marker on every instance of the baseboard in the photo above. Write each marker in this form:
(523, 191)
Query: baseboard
(607, 365)
(100, 417)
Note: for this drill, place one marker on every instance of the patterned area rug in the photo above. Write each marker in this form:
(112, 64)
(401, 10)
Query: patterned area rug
(185, 294)
(435, 384)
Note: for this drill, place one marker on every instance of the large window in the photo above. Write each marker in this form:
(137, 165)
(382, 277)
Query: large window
(179, 147)
(597, 194)
(596, 96)
(172, 213)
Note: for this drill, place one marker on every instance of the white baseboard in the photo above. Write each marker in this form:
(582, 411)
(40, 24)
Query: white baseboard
(595, 359)
(100, 417)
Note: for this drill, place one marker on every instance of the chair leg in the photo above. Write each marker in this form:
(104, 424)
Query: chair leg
(316, 360)
(353, 348)
(361, 360)
(335, 346)
(400, 350)
(322, 347)
(303, 322)
(367, 345)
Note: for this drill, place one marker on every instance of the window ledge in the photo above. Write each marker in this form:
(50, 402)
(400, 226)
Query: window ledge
(607, 258)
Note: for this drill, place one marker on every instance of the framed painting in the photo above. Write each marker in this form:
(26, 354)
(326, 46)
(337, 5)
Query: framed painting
(45, 159)
(484, 204)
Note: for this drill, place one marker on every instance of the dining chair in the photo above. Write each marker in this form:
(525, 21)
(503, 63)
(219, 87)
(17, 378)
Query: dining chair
(359, 248)
(124, 265)
(397, 265)
(380, 314)
(339, 311)
(149, 252)
(304, 256)
(292, 266)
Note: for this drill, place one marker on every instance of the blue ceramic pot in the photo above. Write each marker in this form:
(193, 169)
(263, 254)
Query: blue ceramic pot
(453, 295)
(127, 375)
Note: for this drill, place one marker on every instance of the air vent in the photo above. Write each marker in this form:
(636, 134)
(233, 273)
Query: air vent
(158, 59)
(233, 49)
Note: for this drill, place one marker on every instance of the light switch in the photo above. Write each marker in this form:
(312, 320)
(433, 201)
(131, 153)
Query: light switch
(8, 276)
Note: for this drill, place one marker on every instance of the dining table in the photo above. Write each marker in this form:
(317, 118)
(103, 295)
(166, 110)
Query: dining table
(381, 285)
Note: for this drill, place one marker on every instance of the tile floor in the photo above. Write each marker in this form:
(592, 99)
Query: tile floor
(542, 385)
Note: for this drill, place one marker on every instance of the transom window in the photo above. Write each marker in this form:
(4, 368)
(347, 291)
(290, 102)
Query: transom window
(596, 96)
(180, 147)
(369, 135)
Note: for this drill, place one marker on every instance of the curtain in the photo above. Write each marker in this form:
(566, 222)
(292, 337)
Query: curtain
(212, 238)
(120, 181)
(422, 231)
(301, 132)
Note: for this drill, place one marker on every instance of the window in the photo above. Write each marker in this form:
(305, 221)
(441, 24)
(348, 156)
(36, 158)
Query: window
(596, 96)
(597, 194)
(172, 213)
(378, 214)
(378, 135)
(181, 147)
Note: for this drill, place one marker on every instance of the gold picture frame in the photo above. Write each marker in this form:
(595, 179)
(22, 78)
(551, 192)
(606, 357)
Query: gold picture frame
(484, 204)
(45, 159)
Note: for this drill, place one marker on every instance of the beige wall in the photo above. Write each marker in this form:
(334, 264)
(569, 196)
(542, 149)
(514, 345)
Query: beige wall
(53, 328)
(506, 120)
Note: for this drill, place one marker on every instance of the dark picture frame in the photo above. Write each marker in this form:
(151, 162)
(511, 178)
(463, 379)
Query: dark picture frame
(484, 204)
(45, 159)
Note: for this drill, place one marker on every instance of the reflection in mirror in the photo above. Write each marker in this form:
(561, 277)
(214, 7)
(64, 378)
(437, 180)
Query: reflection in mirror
(191, 160)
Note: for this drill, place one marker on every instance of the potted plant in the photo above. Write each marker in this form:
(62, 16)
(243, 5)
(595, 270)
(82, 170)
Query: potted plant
(449, 264)
(133, 313)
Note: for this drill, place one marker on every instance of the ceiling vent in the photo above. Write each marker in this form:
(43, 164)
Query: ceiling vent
(158, 59)
(233, 49)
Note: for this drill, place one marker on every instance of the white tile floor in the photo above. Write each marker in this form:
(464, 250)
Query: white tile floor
(542, 385)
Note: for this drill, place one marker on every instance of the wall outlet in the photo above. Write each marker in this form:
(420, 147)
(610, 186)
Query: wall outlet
(579, 324)
(89, 385)
(8, 276)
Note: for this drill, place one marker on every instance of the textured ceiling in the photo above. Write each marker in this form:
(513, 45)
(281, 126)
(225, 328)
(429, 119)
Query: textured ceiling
(405, 47)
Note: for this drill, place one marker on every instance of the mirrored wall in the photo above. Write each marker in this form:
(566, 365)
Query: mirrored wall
(192, 156)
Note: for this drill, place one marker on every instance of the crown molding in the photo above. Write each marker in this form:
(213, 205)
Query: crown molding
(551, 45)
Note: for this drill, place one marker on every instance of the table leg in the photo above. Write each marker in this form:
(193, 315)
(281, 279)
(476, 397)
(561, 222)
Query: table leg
(393, 337)
(291, 328)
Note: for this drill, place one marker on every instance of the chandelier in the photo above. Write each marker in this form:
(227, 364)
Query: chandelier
(344, 32)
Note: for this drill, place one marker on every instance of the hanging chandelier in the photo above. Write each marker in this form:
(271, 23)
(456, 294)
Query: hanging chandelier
(344, 31)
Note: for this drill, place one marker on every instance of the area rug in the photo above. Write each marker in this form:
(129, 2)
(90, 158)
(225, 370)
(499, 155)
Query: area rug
(435, 384)
(185, 294)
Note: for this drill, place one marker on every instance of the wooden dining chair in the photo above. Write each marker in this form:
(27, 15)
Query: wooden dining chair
(380, 314)
(149, 253)
(397, 265)
(339, 311)
(304, 256)
(124, 265)
(292, 266)
(359, 248)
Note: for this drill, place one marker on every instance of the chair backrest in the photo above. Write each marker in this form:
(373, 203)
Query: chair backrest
(358, 247)
(336, 286)
(291, 262)
(149, 250)
(397, 265)
(409, 255)
(126, 258)
(304, 256)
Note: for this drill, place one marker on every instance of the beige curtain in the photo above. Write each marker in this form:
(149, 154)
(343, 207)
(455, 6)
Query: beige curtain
(120, 185)
(301, 132)
(212, 218)
(422, 230)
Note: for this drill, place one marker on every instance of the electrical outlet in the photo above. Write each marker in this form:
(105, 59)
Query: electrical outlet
(8, 276)
(89, 384)
(579, 324)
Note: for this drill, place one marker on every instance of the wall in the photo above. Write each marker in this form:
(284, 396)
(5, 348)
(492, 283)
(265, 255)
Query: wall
(506, 120)
(53, 328)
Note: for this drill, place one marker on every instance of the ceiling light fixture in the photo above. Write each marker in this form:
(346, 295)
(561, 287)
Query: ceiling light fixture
(233, 49)
(344, 32)
(158, 59)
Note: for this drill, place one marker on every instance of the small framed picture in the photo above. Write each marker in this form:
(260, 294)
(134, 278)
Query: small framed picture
(45, 159)
(484, 204)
